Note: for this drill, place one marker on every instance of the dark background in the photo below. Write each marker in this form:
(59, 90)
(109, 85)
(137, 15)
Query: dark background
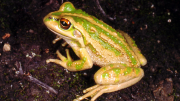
(153, 24)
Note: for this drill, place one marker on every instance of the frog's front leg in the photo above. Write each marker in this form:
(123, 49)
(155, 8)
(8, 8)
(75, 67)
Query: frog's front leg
(112, 78)
(85, 61)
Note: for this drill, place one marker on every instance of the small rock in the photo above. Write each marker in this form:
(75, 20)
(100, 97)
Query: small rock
(6, 47)
(31, 31)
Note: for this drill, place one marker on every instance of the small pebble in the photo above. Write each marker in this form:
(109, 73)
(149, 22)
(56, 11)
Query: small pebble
(6, 47)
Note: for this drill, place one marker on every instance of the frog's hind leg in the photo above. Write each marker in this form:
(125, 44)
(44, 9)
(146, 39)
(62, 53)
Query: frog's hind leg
(112, 78)
(117, 74)
(112, 88)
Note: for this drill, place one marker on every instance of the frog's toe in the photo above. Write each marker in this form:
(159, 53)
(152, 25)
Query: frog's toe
(47, 61)
(99, 93)
(93, 92)
(50, 60)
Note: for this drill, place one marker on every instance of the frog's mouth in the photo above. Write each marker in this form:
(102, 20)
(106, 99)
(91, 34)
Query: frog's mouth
(77, 34)
(60, 35)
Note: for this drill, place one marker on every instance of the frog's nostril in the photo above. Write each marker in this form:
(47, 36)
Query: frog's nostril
(56, 19)
(50, 17)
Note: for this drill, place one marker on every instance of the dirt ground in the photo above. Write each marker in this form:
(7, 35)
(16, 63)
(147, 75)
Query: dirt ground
(153, 24)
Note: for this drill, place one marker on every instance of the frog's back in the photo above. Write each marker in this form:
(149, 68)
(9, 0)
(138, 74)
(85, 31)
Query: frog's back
(104, 44)
(108, 48)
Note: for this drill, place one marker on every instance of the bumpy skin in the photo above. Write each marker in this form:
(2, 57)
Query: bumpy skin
(95, 42)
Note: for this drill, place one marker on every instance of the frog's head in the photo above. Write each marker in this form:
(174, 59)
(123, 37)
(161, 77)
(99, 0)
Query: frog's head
(62, 24)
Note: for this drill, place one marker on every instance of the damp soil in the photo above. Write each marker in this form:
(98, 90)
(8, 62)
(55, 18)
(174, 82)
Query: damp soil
(153, 24)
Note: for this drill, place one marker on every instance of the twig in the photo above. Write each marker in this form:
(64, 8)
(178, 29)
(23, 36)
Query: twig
(103, 12)
(34, 80)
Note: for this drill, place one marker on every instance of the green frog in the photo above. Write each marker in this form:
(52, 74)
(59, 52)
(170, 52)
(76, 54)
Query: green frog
(95, 42)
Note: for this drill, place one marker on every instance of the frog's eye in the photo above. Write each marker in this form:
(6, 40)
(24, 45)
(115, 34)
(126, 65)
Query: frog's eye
(65, 24)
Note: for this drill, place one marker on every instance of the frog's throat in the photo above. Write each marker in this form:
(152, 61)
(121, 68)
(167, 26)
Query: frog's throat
(60, 35)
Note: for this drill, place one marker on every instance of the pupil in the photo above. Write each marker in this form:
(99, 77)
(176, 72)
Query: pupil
(63, 23)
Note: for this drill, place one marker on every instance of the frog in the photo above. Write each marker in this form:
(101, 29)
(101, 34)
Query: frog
(95, 43)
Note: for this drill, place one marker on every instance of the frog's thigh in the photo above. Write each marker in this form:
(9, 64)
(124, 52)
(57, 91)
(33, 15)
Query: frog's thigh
(118, 77)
